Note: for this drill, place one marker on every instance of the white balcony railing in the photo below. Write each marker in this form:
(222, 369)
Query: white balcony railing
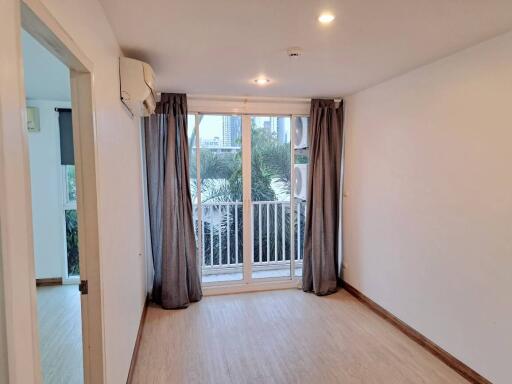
(222, 230)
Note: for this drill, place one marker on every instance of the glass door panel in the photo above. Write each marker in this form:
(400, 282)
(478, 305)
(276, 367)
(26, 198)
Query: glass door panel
(263, 213)
(220, 196)
(270, 192)
(71, 222)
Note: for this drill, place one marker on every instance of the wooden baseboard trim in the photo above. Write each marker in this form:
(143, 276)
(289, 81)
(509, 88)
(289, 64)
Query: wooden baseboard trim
(454, 363)
(49, 281)
(137, 341)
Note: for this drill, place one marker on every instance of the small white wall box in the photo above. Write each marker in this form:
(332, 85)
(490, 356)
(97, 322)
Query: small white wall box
(301, 181)
(301, 132)
(33, 119)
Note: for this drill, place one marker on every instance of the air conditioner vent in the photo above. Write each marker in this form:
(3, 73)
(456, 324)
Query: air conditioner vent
(137, 86)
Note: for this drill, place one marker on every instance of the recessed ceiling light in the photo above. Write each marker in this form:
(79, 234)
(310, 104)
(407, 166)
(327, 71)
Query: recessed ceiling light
(326, 18)
(262, 81)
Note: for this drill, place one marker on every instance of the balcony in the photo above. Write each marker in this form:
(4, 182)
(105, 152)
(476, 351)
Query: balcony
(222, 238)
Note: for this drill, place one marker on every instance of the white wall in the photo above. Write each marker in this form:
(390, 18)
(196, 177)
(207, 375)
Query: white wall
(47, 195)
(427, 223)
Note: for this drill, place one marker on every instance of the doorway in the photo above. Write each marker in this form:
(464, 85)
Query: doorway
(54, 216)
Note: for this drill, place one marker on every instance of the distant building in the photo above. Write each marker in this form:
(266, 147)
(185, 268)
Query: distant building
(282, 132)
(231, 131)
(277, 126)
(267, 126)
(211, 143)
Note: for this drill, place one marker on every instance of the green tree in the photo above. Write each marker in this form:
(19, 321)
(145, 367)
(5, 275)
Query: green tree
(72, 242)
(221, 172)
(221, 176)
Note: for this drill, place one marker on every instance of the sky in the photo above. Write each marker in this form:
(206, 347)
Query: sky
(211, 125)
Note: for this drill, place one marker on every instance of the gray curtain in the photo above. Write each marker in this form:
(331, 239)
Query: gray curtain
(176, 280)
(67, 152)
(320, 268)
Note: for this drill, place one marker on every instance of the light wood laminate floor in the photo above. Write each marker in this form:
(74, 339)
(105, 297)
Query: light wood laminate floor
(280, 337)
(60, 334)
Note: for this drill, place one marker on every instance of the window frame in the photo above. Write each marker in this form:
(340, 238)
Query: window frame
(67, 205)
(246, 108)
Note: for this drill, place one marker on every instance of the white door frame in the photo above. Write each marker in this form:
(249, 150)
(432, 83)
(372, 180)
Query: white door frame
(15, 195)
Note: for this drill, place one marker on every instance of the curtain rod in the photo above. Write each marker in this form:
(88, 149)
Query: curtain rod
(62, 109)
(260, 99)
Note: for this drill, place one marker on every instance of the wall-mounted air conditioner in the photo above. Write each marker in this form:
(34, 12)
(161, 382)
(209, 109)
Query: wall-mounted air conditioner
(301, 133)
(137, 86)
(301, 181)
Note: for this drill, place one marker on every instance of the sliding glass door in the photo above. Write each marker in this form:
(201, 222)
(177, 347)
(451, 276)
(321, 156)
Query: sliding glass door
(270, 196)
(241, 177)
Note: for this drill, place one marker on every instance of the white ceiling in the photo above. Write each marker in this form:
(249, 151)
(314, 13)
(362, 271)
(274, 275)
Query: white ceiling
(218, 46)
(46, 78)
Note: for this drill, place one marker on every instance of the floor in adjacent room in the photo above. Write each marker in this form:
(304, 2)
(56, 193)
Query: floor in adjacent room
(281, 337)
(60, 334)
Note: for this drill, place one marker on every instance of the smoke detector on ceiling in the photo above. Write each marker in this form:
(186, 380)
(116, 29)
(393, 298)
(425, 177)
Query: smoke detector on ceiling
(294, 52)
